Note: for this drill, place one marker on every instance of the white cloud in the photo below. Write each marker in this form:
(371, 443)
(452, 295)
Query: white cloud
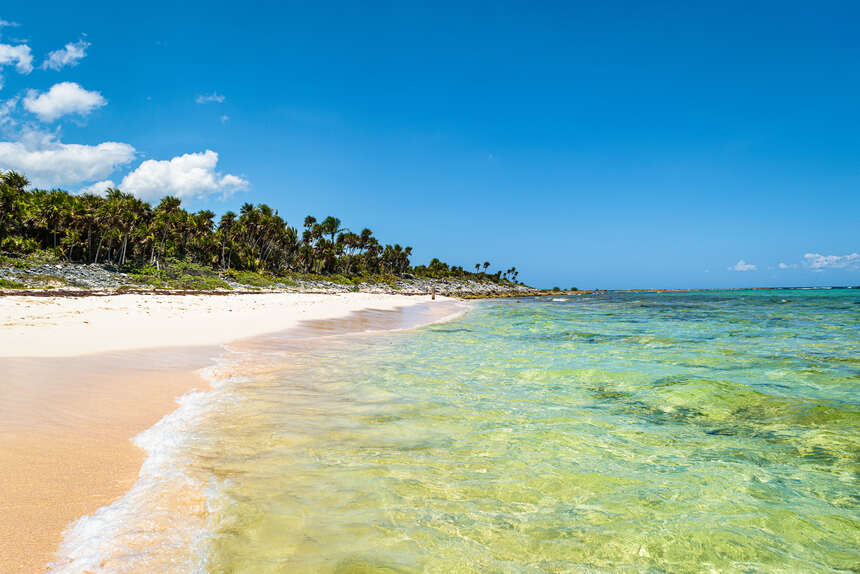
(185, 176)
(47, 162)
(208, 98)
(69, 55)
(787, 265)
(6, 109)
(98, 188)
(743, 266)
(63, 98)
(819, 262)
(19, 55)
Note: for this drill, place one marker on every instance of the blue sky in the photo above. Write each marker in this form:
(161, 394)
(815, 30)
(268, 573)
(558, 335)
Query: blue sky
(599, 144)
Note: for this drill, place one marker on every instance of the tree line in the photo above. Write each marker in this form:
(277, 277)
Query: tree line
(122, 229)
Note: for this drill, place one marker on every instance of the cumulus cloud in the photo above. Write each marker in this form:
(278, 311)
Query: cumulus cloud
(62, 99)
(743, 266)
(209, 98)
(98, 188)
(68, 55)
(819, 262)
(19, 55)
(185, 176)
(47, 162)
(787, 265)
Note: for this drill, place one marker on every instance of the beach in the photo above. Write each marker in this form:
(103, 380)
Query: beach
(71, 326)
(83, 375)
(665, 431)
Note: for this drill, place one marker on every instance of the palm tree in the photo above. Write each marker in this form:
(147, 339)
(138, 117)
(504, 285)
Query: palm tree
(119, 227)
(225, 231)
(12, 187)
(331, 226)
(165, 218)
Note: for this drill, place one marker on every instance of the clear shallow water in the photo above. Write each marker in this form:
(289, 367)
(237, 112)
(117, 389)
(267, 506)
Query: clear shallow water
(674, 432)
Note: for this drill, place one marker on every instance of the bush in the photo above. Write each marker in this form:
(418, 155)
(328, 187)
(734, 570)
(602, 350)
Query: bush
(177, 274)
(250, 278)
(9, 284)
(15, 262)
(19, 245)
(48, 280)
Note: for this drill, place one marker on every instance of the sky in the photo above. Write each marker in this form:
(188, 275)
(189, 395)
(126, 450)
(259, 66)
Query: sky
(591, 144)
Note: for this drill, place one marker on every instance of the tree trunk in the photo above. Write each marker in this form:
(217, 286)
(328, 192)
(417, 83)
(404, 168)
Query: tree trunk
(96, 260)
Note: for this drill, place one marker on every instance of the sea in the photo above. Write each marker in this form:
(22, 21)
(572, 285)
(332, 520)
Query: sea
(694, 431)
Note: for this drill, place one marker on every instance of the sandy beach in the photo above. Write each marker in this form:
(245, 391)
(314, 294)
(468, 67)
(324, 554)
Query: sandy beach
(66, 327)
(82, 376)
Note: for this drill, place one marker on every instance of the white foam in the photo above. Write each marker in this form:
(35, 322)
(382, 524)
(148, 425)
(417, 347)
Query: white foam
(143, 531)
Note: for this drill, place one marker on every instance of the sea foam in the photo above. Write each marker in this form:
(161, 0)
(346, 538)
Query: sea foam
(164, 523)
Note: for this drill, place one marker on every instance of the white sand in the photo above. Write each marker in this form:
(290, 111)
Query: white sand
(69, 326)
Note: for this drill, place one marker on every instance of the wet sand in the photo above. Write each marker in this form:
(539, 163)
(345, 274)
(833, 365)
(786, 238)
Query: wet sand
(65, 426)
(66, 423)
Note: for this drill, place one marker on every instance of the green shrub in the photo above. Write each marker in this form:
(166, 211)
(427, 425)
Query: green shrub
(197, 283)
(48, 279)
(15, 262)
(250, 278)
(9, 284)
(176, 274)
(19, 245)
(44, 256)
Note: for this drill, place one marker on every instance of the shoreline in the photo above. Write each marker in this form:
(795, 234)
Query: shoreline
(65, 438)
(67, 327)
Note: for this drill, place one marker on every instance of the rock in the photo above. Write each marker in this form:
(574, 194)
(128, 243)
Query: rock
(107, 277)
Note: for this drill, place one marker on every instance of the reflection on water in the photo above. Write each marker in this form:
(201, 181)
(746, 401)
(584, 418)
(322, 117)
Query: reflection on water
(676, 432)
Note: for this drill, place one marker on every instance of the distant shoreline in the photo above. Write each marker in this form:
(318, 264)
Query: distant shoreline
(461, 293)
(684, 289)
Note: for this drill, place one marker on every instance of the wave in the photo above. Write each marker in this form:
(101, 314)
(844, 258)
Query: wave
(164, 523)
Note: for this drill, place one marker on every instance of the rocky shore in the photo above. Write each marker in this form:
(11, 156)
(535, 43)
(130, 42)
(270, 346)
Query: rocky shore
(83, 279)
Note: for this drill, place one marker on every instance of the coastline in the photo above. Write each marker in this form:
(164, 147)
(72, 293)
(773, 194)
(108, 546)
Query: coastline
(70, 326)
(86, 375)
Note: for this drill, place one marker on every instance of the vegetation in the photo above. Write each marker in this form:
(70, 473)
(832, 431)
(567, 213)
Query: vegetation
(9, 284)
(167, 246)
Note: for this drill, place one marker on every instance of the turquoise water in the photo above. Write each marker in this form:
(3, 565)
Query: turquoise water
(659, 432)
